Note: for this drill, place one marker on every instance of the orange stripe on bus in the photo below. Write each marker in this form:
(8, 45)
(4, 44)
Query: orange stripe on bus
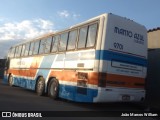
(24, 73)
(93, 77)
(125, 81)
(28, 72)
(65, 75)
(71, 76)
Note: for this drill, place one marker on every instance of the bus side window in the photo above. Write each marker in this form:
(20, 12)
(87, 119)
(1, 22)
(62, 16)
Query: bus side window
(55, 43)
(19, 51)
(31, 48)
(47, 46)
(26, 49)
(23, 50)
(63, 41)
(36, 48)
(72, 40)
(9, 53)
(12, 53)
(16, 50)
(82, 37)
(92, 33)
(42, 44)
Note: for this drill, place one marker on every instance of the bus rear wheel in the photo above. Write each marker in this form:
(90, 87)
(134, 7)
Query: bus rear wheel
(40, 86)
(53, 88)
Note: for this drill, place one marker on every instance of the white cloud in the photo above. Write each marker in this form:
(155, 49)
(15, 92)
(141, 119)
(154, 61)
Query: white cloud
(67, 14)
(13, 32)
(63, 13)
(25, 29)
(76, 15)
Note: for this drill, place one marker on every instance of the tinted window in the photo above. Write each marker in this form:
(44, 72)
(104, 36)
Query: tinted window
(72, 40)
(45, 45)
(82, 37)
(26, 49)
(55, 43)
(92, 33)
(63, 41)
(31, 48)
(36, 48)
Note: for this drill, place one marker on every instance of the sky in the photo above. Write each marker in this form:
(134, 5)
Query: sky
(26, 19)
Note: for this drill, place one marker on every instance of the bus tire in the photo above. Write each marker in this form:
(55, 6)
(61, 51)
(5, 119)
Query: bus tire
(10, 80)
(53, 88)
(40, 86)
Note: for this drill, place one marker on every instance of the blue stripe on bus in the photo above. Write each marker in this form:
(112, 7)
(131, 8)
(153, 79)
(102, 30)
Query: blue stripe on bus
(70, 92)
(65, 91)
(46, 63)
(115, 56)
(24, 82)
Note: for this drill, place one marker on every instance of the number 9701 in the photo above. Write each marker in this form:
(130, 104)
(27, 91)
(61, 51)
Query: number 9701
(118, 46)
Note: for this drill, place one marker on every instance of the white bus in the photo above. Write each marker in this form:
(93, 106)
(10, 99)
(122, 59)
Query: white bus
(103, 59)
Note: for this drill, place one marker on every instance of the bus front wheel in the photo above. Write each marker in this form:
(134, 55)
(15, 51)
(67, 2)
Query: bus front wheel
(10, 80)
(53, 88)
(40, 86)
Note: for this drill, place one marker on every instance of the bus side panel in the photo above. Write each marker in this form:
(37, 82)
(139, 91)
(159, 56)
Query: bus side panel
(25, 72)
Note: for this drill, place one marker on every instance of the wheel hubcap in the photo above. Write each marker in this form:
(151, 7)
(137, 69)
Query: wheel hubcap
(53, 89)
(40, 85)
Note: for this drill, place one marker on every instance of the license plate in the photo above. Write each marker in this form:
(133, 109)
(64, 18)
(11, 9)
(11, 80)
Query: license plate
(125, 97)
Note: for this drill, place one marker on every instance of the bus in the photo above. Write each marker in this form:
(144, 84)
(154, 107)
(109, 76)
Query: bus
(103, 59)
